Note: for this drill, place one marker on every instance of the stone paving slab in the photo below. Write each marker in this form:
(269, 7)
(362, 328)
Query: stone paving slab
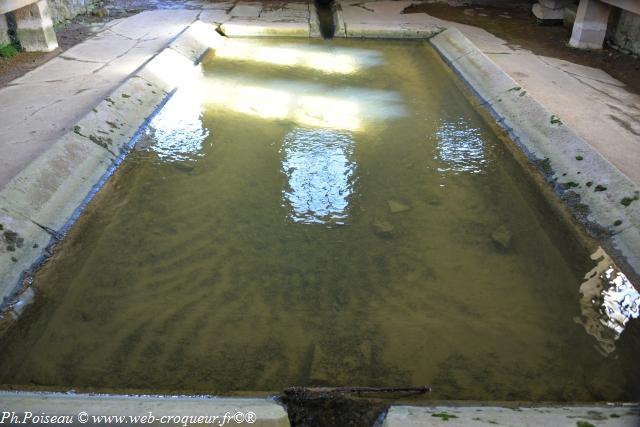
(259, 412)
(270, 19)
(486, 416)
(44, 103)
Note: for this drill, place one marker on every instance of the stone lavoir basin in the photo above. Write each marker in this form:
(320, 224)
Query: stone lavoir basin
(325, 213)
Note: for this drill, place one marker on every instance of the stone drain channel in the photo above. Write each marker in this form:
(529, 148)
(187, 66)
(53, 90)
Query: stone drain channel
(39, 204)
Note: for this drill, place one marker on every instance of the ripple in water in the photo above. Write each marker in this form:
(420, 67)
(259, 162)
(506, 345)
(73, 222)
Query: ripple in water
(320, 175)
(461, 147)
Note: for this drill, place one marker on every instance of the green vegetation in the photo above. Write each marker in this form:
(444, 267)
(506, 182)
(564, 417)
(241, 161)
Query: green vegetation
(8, 50)
(584, 424)
(617, 222)
(626, 201)
(600, 188)
(545, 165)
(555, 120)
(444, 416)
(579, 158)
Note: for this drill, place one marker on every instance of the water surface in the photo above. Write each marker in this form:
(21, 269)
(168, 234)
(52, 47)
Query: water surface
(323, 213)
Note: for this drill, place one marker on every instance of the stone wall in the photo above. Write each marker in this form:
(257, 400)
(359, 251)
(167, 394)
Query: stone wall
(66, 9)
(626, 33)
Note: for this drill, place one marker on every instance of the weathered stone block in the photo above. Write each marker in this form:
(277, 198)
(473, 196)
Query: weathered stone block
(34, 28)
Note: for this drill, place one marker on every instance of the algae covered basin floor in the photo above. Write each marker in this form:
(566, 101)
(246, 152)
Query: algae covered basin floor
(320, 213)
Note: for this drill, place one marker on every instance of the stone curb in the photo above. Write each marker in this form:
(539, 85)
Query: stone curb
(267, 412)
(486, 416)
(38, 205)
(595, 190)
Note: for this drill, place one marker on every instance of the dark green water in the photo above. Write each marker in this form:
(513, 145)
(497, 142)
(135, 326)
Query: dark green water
(301, 218)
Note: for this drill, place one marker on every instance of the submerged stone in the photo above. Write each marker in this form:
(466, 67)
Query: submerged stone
(502, 237)
(397, 207)
(383, 229)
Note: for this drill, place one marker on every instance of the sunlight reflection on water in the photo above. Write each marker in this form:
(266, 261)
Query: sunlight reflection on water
(177, 130)
(320, 171)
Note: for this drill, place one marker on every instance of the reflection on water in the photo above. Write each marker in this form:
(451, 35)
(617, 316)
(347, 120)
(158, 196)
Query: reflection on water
(302, 102)
(329, 60)
(608, 302)
(177, 130)
(200, 278)
(320, 171)
(461, 147)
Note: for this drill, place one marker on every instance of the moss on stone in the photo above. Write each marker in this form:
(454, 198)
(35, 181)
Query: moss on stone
(626, 201)
(444, 416)
(8, 50)
(555, 120)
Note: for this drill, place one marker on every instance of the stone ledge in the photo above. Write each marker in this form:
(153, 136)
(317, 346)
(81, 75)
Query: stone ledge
(567, 161)
(41, 201)
(267, 412)
(486, 416)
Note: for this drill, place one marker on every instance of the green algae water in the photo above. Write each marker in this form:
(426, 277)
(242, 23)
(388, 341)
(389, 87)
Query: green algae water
(320, 213)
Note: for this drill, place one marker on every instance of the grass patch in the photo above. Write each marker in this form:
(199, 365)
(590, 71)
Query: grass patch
(8, 50)
(579, 158)
(584, 424)
(444, 416)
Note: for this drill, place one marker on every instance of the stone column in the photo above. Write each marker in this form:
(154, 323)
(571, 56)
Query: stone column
(590, 27)
(4, 31)
(550, 11)
(34, 28)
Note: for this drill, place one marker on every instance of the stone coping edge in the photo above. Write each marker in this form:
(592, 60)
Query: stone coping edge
(261, 412)
(38, 205)
(601, 197)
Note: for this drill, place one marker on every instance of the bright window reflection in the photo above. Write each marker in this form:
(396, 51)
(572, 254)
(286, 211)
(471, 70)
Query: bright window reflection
(609, 301)
(320, 171)
(304, 103)
(337, 60)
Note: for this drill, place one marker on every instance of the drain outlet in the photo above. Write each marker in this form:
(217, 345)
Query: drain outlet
(324, 9)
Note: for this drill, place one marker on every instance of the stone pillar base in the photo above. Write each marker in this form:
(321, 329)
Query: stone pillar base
(34, 28)
(549, 11)
(4, 31)
(590, 27)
